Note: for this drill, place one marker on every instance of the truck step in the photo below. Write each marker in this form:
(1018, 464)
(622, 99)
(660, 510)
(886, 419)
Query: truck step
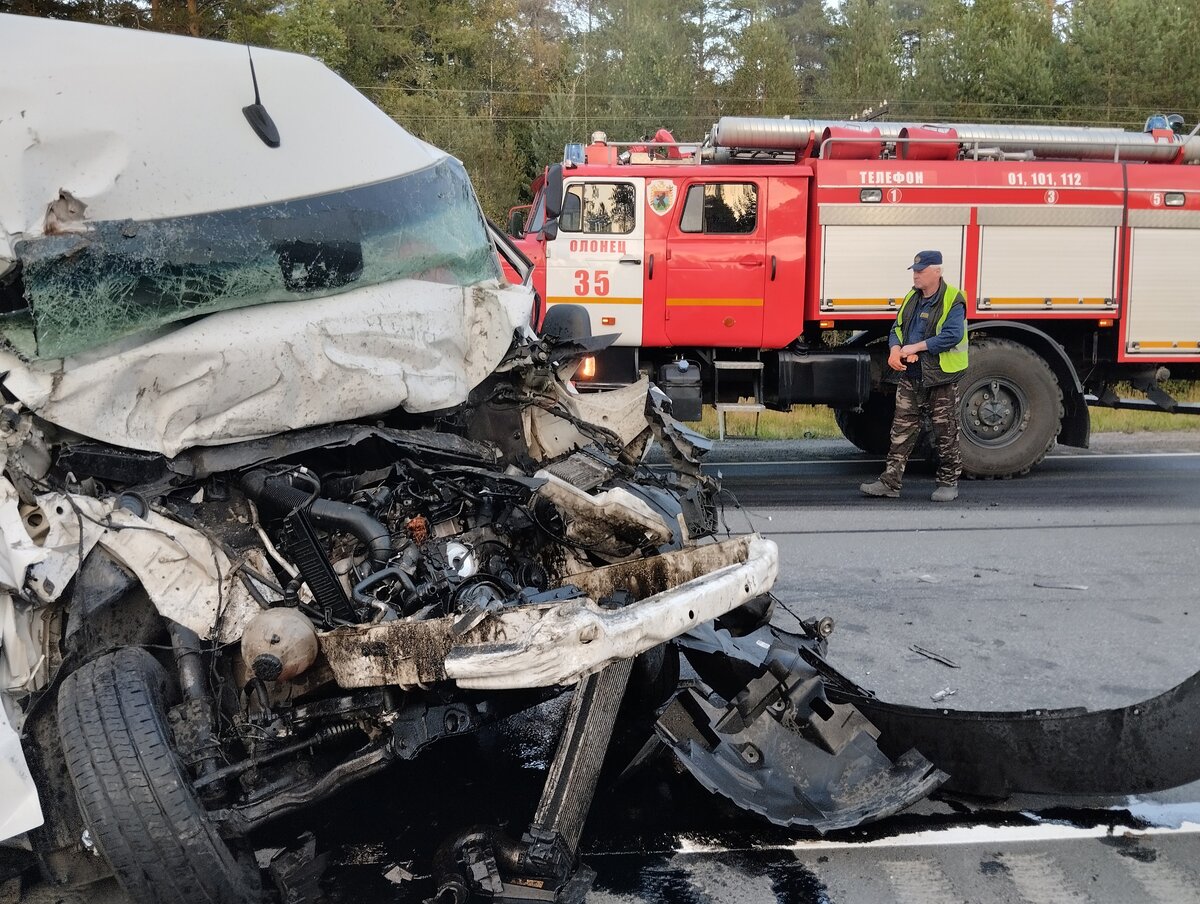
(737, 365)
(723, 407)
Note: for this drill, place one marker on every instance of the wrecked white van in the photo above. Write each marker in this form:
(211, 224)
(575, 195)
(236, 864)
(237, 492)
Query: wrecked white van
(291, 488)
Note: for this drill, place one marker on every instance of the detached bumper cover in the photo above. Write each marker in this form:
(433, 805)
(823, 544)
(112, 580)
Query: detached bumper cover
(779, 747)
(1148, 746)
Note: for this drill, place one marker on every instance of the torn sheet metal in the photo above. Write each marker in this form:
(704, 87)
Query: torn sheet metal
(1148, 746)
(540, 645)
(612, 522)
(620, 411)
(256, 372)
(18, 548)
(188, 578)
(22, 652)
(21, 810)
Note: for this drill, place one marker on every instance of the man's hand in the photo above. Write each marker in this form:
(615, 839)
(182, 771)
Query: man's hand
(908, 353)
(894, 361)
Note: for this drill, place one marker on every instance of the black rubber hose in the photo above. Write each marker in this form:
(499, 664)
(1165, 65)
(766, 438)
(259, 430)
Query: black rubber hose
(280, 495)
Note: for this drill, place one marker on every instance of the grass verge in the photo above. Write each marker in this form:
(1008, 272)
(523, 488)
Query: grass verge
(816, 421)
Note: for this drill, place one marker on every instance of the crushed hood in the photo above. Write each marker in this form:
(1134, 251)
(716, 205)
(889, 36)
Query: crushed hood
(169, 280)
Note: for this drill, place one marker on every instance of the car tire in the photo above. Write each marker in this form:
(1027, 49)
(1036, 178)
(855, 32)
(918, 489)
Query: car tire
(871, 428)
(1012, 408)
(134, 792)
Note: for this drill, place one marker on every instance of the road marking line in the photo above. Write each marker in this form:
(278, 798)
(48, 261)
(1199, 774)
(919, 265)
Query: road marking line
(919, 882)
(721, 882)
(1163, 882)
(876, 461)
(983, 834)
(1038, 878)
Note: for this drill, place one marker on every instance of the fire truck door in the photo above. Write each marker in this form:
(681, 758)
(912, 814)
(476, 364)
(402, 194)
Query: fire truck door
(596, 259)
(716, 266)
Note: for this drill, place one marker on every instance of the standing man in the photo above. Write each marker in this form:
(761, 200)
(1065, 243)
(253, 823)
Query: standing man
(928, 348)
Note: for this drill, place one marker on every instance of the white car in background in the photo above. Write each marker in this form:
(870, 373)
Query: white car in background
(291, 488)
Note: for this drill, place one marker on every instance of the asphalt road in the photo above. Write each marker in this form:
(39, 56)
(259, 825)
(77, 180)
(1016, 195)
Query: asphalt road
(1073, 586)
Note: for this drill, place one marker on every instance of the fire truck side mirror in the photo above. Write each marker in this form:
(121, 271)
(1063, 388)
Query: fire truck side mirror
(554, 191)
(517, 217)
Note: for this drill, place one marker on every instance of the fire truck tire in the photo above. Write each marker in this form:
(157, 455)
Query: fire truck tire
(1012, 408)
(870, 429)
(134, 792)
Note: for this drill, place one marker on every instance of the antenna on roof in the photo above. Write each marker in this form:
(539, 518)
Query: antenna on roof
(256, 114)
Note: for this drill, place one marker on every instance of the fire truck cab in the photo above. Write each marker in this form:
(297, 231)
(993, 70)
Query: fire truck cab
(768, 264)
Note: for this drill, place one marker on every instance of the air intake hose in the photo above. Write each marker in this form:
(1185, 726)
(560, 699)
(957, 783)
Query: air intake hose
(275, 491)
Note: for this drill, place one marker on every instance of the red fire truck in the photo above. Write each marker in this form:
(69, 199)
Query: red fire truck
(767, 263)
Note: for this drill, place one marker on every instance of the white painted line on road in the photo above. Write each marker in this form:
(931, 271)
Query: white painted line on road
(959, 835)
(919, 882)
(877, 461)
(1124, 455)
(1163, 882)
(1038, 878)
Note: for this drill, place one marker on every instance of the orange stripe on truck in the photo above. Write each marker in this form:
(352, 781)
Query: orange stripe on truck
(1042, 302)
(571, 299)
(715, 302)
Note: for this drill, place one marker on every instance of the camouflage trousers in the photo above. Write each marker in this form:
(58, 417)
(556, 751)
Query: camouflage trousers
(913, 403)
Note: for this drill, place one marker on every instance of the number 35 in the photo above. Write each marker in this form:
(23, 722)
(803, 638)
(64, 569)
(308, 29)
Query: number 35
(587, 283)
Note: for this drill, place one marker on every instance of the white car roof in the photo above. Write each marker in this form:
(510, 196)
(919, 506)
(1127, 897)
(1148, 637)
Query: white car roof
(140, 125)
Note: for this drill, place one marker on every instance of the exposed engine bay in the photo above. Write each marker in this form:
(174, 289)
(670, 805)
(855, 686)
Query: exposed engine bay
(295, 613)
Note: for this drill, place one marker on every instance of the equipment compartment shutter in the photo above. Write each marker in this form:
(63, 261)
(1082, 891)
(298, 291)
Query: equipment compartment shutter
(1163, 316)
(863, 266)
(1047, 268)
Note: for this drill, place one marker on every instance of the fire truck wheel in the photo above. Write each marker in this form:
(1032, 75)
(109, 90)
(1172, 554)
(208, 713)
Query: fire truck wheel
(871, 428)
(1012, 409)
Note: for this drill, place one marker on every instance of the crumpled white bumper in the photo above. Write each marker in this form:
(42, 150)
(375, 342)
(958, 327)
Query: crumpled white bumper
(539, 646)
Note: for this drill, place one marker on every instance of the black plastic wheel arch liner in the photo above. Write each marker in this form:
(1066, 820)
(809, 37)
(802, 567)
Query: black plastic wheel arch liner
(1149, 746)
(780, 747)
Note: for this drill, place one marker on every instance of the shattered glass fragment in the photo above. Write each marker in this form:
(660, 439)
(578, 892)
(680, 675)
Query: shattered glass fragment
(114, 279)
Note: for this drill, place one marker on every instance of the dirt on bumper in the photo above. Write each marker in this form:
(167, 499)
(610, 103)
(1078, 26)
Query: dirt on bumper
(554, 643)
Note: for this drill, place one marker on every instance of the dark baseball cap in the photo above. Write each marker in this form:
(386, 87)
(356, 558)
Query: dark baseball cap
(926, 259)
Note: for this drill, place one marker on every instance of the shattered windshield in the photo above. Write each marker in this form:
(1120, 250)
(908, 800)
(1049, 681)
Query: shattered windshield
(118, 278)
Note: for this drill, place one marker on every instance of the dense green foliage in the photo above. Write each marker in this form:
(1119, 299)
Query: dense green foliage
(503, 84)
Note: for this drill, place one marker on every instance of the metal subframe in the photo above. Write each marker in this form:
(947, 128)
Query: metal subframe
(552, 839)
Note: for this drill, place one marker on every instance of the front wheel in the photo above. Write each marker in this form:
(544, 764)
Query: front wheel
(870, 428)
(1012, 409)
(134, 792)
